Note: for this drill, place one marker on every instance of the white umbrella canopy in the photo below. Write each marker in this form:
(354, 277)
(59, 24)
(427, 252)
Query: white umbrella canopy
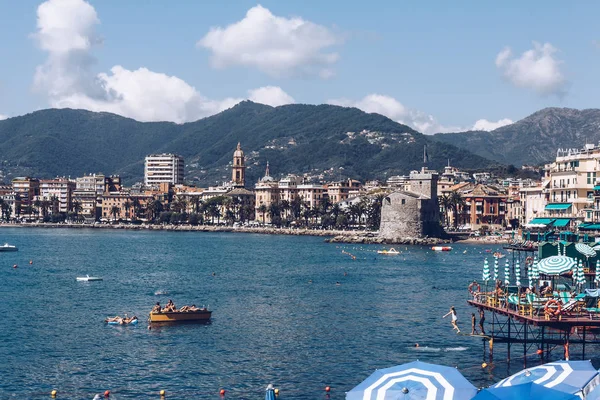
(517, 273)
(496, 269)
(556, 265)
(585, 249)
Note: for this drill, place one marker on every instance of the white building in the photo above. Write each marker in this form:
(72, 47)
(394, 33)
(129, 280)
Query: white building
(59, 190)
(163, 168)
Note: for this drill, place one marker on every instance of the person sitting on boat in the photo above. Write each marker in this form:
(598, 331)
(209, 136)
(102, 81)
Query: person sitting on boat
(156, 308)
(170, 307)
(184, 309)
(194, 308)
(114, 319)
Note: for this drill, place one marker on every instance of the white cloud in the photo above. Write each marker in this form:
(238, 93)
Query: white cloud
(393, 109)
(275, 45)
(485, 125)
(66, 32)
(3, 117)
(270, 95)
(537, 69)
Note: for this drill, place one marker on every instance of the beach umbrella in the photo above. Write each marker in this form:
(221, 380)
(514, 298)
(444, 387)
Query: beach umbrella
(270, 393)
(586, 250)
(506, 273)
(573, 377)
(555, 265)
(496, 269)
(580, 274)
(530, 276)
(414, 380)
(597, 278)
(596, 247)
(486, 271)
(526, 391)
(517, 273)
(535, 267)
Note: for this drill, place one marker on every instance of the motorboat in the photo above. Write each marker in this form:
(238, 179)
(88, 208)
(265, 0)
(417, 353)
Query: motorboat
(88, 278)
(441, 248)
(8, 247)
(390, 252)
(201, 315)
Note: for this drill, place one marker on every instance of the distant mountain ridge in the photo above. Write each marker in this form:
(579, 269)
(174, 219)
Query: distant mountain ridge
(532, 140)
(329, 140)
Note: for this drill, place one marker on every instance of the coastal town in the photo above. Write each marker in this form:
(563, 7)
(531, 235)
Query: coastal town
(565, 197)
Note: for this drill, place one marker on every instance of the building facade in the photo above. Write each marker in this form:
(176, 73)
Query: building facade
(163, 168)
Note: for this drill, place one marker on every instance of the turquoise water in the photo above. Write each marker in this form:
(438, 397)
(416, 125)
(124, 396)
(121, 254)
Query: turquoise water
(289, 310)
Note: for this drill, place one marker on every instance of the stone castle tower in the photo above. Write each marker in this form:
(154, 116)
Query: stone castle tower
(413, 213)
(238, 171)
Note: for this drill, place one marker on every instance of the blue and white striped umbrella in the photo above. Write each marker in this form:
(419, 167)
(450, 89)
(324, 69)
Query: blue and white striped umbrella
(530, 276)
(574, 377)
(415, 380)
(486, 271)
(536, 269)
(580, 274)
(597, 278)
(556, 265)
(517, 273)
(585, 249)
(506, 273)
(496, 269)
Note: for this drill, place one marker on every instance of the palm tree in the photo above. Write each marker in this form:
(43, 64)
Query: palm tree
(446, 203)
(458, 203)
(127, 206)
(114, 210)
(262, 209)
(136, 207)
(77, 208)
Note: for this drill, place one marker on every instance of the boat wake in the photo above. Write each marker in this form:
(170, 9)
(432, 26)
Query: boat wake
(161, 293)
(460, 348)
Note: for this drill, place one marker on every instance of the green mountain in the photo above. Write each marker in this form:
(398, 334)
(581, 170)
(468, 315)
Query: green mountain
(532, 140)
(326, 140)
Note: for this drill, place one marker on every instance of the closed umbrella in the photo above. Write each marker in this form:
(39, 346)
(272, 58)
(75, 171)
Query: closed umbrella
(270, 394)
(496, 269)
(573, 377)
(506, 273)
(414, 380)
(536, 268)
(517, 273)
(555, 265)
(486, 271)
(526, 391)
(580, 274)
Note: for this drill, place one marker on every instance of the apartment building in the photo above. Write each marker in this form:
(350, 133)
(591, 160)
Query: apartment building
(59, 191)
(161, 168)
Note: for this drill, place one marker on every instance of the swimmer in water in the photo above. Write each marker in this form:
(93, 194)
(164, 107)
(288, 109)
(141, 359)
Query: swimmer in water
(416, 345)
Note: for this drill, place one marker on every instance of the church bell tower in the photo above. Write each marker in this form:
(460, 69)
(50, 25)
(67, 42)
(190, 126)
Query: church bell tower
(238, 172)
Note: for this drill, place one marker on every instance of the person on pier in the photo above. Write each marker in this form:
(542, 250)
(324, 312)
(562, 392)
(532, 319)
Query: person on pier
(481, 320)
(454, 320)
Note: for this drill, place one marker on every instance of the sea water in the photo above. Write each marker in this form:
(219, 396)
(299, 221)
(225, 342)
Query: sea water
(288, 310)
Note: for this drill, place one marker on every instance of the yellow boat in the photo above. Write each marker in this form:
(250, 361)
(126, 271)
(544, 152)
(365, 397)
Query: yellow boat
(390, 252)
(181, 316)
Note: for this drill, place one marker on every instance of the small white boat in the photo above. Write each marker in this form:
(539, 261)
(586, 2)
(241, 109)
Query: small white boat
(390, 252)
(8, 247)
(88, 278)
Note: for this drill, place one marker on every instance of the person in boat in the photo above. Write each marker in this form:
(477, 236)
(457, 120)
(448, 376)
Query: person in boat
(156, 308)
(454, 320)
(194, 308)
(170, 307)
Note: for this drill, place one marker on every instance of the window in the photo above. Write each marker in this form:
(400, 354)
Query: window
(403, 201)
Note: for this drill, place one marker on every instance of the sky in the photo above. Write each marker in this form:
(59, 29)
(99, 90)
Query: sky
(436, 66)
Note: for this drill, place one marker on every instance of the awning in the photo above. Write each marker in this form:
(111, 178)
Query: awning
(597, 187)
(590, 226)
(558, 206)
(544, 221)
(561, 222)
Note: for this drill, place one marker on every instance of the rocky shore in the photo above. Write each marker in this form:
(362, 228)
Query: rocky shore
(187, 228)
(372, 238)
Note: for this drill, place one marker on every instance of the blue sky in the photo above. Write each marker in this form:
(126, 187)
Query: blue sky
(437, 66)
